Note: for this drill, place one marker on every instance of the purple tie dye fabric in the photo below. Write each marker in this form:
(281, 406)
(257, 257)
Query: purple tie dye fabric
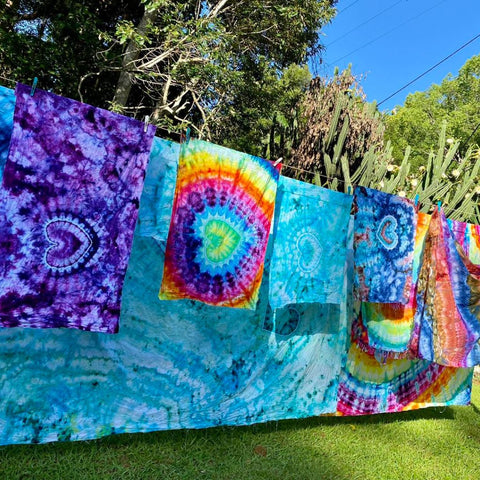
(68, 207)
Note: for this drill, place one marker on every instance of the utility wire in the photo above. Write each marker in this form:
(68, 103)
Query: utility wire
(389, 31)
(429, 70)
(348, 6)
(363, 23)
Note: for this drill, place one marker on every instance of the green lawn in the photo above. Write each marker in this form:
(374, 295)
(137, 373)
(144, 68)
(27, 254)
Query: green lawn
(430, 444)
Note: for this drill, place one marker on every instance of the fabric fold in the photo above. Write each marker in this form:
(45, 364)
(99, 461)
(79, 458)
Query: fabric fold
(448, 300)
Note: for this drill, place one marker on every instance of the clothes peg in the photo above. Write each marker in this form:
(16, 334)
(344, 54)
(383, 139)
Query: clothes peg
(145, 127)
(277, 161)
(417, 197)
(349, 189)
(439, 205)
(34, 86)
(188, 135)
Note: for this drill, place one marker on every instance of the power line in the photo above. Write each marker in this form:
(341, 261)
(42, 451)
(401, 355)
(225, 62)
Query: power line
(348, 6)
(429, 70)
(389, 31)
(364, 23)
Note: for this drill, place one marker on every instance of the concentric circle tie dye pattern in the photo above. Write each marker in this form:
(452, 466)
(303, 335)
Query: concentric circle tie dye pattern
(220, 224)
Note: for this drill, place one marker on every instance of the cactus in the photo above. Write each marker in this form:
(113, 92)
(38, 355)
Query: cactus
(324, 157)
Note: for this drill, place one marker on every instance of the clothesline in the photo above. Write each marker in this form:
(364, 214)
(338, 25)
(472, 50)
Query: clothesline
(314, 173)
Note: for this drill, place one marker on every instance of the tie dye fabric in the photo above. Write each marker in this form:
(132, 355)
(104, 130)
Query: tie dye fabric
(70, 199)
(389, 326)
(310, 244)
(448, 300)
(7, 105)
(370, 386)
(221, 218)
(384, 245)
(155, 213)
(172, 365)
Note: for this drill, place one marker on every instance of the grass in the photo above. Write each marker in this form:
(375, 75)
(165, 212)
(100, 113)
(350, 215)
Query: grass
(430, 444)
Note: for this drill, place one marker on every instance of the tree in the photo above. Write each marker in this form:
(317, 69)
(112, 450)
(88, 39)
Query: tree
(419, 121)
(337, 129)
(213, 65)
(226, 68)
(58, 42)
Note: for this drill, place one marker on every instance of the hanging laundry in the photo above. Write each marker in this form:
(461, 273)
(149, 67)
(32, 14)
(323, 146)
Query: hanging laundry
(310, 244)
(369, 385)
(384, 243)
(7, 105)
(448, 300)
(389, 327)
(69, 203)
(221, 218)
(172, 365)
(473, 235)
(155, 213)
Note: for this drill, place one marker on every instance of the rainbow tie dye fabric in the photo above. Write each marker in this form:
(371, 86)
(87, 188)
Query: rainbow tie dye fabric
(70, 199)
(384, 245)
(222, 212)
(369, 386)
(7, 105)
(310, 244)
(389, 327)
(448, 300)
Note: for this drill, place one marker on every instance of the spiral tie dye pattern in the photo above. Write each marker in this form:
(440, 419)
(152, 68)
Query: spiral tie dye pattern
(223, 208)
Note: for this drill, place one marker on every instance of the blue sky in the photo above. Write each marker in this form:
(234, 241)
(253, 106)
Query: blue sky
(415, 35)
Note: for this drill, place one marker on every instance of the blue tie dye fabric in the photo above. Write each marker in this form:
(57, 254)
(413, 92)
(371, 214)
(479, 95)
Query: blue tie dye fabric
(7, 106)
(310, 245)
(158, 190)
(384, 241)
(172, 365)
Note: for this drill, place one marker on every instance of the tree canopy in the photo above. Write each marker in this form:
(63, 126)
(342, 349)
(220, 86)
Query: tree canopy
(418, 123)
(226, 68)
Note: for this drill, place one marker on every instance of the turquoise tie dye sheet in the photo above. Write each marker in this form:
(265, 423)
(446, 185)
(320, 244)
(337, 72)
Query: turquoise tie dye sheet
(172, 365)
(310, 245)
(7, 106)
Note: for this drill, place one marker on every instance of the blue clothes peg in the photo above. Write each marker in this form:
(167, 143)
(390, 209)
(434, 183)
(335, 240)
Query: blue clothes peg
(417, 197)
(188, 134)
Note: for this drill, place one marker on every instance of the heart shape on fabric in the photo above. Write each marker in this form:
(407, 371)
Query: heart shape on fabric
(221, 241)
(387, 232)
(310, 252)
(70, 244)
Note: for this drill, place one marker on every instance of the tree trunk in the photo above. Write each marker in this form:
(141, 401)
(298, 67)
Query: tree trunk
(132, 53)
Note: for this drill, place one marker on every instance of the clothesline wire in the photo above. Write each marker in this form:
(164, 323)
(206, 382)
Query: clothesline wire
(313, 173)
(8, 79)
